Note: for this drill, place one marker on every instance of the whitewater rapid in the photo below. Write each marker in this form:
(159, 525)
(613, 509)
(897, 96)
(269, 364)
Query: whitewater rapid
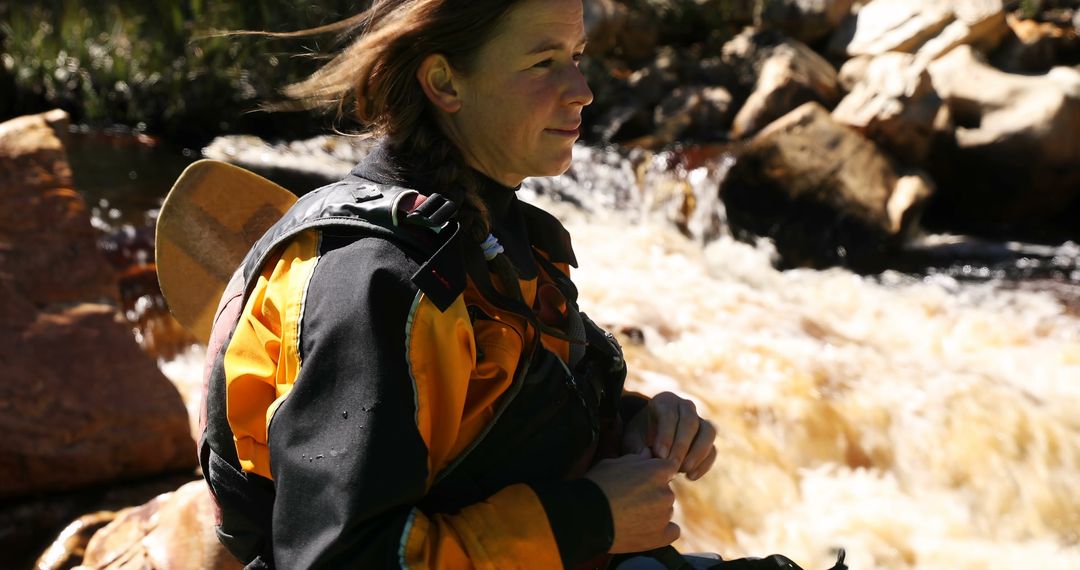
(915, 422)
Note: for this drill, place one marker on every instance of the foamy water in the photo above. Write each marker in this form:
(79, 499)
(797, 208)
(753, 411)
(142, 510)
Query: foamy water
(916, 423)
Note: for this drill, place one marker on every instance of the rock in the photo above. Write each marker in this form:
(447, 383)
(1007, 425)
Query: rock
(853, 71)
(891, 25)
(46, 242)
(894, 104)
(695, 112)
(804, 20)
(980, 24)
(70, 547)
(1034, 47)
(30, 524)
(84, 405)
(329, 157)
(174, 530)
(788, 74)
(824, 193)
(652, 83)
(1015, 154)
(622, 29)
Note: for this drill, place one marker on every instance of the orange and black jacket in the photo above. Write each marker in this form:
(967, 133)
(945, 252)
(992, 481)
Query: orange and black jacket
(378, 402)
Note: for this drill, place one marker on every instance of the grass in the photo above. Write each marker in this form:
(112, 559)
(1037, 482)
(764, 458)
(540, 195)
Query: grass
(154, 64)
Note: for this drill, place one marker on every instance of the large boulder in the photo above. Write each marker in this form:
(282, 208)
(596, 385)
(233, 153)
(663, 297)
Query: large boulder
(1014, 156)
(174, 530)
(893, 103)
(83, 405)
(824, 193)
(780, 74)
(931, 26)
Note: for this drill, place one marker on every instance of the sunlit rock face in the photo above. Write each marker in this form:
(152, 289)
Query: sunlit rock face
(779, 74)
(80, 404)
(892, 102)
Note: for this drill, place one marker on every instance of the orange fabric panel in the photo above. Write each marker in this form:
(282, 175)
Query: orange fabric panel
(441, 353)
(508, 530)
(263, 358)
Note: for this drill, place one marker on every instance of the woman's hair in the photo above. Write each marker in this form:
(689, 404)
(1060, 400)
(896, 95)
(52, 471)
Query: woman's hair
(375, 76)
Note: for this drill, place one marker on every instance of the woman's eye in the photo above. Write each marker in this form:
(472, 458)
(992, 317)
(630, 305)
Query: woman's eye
(578, 57)
(545, 63)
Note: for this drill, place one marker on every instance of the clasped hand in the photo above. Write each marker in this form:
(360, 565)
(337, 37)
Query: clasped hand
(670, 428)
(664, 438)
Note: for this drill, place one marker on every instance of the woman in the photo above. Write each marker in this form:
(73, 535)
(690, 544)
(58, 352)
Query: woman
(409, 381)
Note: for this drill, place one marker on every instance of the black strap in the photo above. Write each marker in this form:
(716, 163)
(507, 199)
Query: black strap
(434, 212)
(670, 558)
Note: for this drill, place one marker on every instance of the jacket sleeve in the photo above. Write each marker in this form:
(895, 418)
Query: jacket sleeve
(349, 440)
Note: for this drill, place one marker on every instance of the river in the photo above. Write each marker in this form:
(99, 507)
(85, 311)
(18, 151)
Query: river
(916, 419)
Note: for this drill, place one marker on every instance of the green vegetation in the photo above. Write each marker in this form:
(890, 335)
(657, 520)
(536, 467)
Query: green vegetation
(157, 65)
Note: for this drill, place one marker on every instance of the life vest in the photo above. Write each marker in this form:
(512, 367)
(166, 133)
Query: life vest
(555, 419)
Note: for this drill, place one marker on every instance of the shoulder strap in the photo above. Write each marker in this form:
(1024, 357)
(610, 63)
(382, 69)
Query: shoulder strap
(361, 204)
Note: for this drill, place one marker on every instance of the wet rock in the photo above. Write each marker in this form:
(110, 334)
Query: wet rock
(1014, 156)
(824, 193)
(804, 20)
(85, 406)
(895, 105)
(46, 242)
(785, 73)
(174, 530)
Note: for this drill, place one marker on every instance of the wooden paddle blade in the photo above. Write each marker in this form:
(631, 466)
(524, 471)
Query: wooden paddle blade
(212, 216)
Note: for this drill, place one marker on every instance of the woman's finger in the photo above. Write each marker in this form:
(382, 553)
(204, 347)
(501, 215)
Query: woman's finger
(685, 431)
(704, 467)
(664, 413)
(699, 450)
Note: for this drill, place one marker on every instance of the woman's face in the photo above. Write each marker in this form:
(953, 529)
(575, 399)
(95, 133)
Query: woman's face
(522, 99)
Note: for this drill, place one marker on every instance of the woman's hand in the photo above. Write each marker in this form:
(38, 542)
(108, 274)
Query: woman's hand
(638, 489)
(669, 426)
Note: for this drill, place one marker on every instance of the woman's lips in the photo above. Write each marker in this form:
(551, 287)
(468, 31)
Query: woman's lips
(574, 132)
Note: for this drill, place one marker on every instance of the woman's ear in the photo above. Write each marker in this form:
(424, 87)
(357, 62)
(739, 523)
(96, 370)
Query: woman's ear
(437, 79)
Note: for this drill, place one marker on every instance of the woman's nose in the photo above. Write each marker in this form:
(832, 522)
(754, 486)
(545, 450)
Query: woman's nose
(577, 91)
